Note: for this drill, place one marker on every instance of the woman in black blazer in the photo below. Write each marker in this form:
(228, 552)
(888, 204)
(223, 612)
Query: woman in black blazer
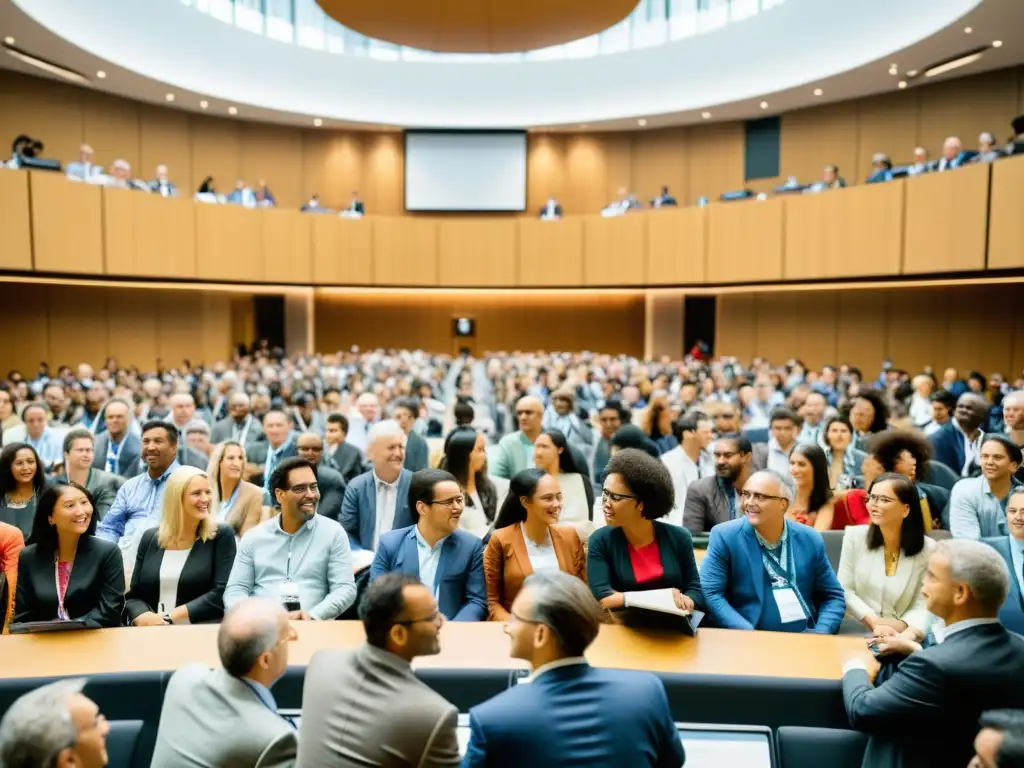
(200, 553)
(636, 552)
(67, 572)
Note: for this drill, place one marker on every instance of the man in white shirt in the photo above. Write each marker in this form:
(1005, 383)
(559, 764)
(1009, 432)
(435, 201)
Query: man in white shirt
(84, 169)
(361, 420)
(813, 414)
(774, 455)
(689, 461)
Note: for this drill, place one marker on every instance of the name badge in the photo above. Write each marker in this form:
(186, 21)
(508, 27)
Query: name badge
(288, 592)
(789, 605)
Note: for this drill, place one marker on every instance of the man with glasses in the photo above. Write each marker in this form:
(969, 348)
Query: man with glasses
(604, 716)
(713, 500)
(299, 558)
(515, 451)
(765, 572)
(310, 446)
(449, 561)
(365, 706)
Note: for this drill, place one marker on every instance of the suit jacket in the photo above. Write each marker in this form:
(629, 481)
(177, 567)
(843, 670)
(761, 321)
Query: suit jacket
(248, 734)
(938, 502)
(348, 460)
(200, 586)
(351, 703)
(706, 505)
(11, 544)
(461, 593)
(103, 486)
(509, 457)
(222, 430)
(948, 443)
(95, 592)
(507, 563)
(127, 454)
(736, 587)
(417, 453)
(1012, 612)
(862, 575)
(609, 568)
(359, 508)
(256, 453)
(332, 491)
(247, 511)
(927, 713)
(514, 728)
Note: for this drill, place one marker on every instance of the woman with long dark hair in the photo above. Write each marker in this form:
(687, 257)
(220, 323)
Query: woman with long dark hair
(552, 454)
(657, 424)
(527, 538)
(812, 503)
(22, 479)
(465, 456)
(844, 461)
(869, 415)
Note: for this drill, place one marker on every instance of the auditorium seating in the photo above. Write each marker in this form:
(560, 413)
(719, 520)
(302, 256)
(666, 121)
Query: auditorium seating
(800, 747)
(123, 744)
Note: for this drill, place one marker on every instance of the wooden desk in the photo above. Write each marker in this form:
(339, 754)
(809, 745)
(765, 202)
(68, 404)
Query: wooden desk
(463, 645)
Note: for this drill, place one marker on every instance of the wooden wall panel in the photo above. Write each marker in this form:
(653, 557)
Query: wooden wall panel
(551, 252)
(1006, 215)
(44, 109)
(745, 241)
(111, 127)
(15, 221)
(342, 251)
(269, 153)
(23, 310)
(816, 341)
(779, 322)
(148, 235)
(714, 161)
(165, 138)
(287, 246)
(383, 183)
(180, 324)
(613, 250)
(404, 251)
(216, 151)
(677, 247)
(946, 220)
(545, 172)
(816, 137)
(736, 326)
(75, 244)
(860, 328)
(480, 252)
(889, 123)
(76, 325)
(917, 333)
(228, 243)
(658, 159)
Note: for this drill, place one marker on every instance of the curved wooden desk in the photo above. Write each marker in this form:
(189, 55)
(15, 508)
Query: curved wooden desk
(463, 646)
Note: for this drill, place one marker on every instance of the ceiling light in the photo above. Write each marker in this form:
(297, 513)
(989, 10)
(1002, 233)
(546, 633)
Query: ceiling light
(318, 122)
(232, 110)
(204, 104)
(706, 115)
(641, 122)
(53, 69)
(818, 91)
(101, 74)
(169, 97)
(894, 70)
(912, 73)
(949, 66)
(902, 84)
(968, 30)
(997, 43)
(764, 105)
(9, 40)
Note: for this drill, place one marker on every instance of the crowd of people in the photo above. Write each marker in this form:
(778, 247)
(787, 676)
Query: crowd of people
(281, 490)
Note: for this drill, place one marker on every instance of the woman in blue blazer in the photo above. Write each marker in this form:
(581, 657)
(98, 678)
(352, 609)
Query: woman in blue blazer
(635, 551)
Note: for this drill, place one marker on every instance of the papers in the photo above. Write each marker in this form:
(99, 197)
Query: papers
(661, 601)
(362, 558)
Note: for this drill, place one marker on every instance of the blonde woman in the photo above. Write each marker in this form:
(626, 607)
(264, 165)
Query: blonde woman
(235, 501)
(183, 565)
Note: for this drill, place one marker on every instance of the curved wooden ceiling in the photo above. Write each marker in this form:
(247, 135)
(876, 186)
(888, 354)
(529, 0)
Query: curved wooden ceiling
(478, 26)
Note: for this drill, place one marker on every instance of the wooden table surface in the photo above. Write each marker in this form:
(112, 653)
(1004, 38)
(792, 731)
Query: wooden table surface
(464, 645)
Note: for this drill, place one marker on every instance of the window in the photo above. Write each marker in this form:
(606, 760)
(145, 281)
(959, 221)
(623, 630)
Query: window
(279, 20)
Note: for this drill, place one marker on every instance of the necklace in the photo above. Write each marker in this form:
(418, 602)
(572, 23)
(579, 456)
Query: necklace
(891, 561)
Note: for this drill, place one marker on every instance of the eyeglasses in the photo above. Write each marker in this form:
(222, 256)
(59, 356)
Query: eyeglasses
(758, 498)
(454, 501)
(303, 488)
(874, 498)
(615, 498)
(435, 618)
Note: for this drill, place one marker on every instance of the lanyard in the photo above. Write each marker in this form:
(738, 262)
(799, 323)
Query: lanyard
(112, 451)
(784, 578)
(239, 436)
(62, 613)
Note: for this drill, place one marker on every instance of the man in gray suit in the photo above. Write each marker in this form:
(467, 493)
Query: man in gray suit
(417, 452)
(365, 708)
(117, 449)
(714, 500)
(240, 425)
(78, 457)
(253, 646)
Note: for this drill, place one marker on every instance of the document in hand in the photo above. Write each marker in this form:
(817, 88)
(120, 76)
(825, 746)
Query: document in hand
(648, 604)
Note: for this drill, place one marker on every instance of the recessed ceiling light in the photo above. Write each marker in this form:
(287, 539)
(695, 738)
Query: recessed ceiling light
(204, 104)
(912, 73)
(997, 43)
(101, 74)
(9, 40)
(968, 30)
(894, 70)
(818, 91)
(318, 122)
(902, 84)
(706, 115)
(169, 97)
(232, 110)
(764, 105)
(949, 66)
(46, 66)
(641, 122)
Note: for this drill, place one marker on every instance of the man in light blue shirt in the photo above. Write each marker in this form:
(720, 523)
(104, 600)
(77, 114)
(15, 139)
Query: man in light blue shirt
(515, 451)
(977, 505)
(449, 561)
(47, 441)
(297, 557)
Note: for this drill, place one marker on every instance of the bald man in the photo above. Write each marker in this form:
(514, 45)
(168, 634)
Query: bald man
(253, 646)
(515, 451)
(361, 420)
(310, 446)
(239, 425)
(958, 443)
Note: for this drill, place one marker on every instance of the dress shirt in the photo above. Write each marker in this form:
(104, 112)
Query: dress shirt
(273, 458)
(137, 506)
(972, 450)
(262, 693)
(171, 566)
(684, 471)
(975, 512)
(527, 448)
(780, 549)
(316, 558)
(778, 459)
(429, 558)
(810, 433)
(387, 501)
(542, 556)
(920, 411)
(1017, 558)
(49, 446)
(569, 661)
(942, 633)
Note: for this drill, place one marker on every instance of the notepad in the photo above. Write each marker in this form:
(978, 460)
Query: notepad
(362, 558)
(643, 606)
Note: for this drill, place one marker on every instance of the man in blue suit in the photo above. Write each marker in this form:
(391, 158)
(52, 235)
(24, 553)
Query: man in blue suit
(1011, 547)
(450, 562)
(764, 572)
(570, 714)
(378, 501)
(953, 155)
(952, 439)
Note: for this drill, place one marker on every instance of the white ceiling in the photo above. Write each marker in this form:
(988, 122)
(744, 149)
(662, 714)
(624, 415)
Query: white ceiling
(843, 47)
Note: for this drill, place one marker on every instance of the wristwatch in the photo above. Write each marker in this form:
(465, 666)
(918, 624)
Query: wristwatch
(167, 618)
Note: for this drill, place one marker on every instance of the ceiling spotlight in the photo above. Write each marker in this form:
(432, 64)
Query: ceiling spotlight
(997, 43)
(9, 40)
(912, 73)
(706, 115)
(641, 122)
(232, 110)
(101, 74)
(764, 105)
(818, 91)
(204, 104)
(318, 122)
(968, 30)
(902, 84)
(894, 70)
(169, 97)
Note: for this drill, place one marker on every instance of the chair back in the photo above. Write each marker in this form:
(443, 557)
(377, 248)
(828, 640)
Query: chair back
(941, 475)
(833, 547)
(801, 747)
(122, 743)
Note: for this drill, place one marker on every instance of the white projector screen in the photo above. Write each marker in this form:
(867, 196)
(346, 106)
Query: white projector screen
(465, 171)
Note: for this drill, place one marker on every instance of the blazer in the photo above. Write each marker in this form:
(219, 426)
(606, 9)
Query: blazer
(222, 431)
(509, 457)
(127, 454)
(459, 583)
(103, 486)
(359, 508)
(1012, 612)
(610, 569)
(736, 587)
(332, 491)
(621, 716)
(417, 453)
(351, 701)
(200, 586)
(507, 564)
(927, 713)
(706, 505)
(862, 576)
(11, 544)
(348, 460)
(249, 734)
(247, 511)
(256, 454)
(95, 591)
(948, 443)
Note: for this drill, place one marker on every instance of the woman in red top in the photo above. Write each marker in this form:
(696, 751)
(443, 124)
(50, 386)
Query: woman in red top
(636, 551)
(11, 544)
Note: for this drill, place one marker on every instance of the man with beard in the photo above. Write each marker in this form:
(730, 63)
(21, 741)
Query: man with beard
(297, 557)
(714, 500)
